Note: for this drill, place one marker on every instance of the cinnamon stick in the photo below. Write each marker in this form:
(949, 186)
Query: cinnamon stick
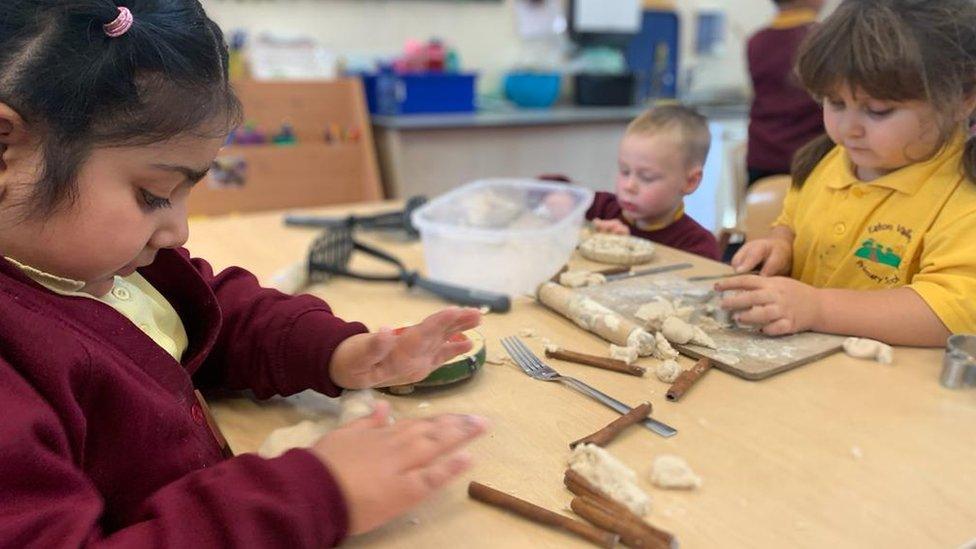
(598, 361)
(687, 379)
(583, 488)
(540, 515)
(615, 427)
(633, 531)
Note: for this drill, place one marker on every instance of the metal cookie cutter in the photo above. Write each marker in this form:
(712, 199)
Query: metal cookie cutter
(959, 363)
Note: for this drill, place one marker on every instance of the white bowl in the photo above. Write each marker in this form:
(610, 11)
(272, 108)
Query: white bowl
(502, 235)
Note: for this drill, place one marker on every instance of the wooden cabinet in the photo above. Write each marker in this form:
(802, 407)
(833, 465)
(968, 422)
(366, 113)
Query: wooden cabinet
(312, 172)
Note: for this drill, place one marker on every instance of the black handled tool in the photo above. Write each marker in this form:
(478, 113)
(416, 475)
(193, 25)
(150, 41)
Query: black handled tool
(397, 220)
(331, 252)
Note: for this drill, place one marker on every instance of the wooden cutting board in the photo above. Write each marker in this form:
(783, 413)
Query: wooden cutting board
(742, 352)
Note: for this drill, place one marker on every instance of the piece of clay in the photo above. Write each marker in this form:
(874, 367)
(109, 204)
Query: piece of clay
(701, 338)
(626, 354)
(496, 358)
(680, 332)
(859, 347)
(670, 471)
(667, 371)
(551, 347)
(677, 330)
(579, 279)
(710, 324)
(653, 313)
(356, 404)
(662, 348)
(610, 476)
(617, 249)
(300, 435)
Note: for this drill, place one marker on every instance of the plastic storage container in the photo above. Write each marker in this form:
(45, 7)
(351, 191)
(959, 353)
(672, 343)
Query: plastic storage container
(502, 235)
(392, 93)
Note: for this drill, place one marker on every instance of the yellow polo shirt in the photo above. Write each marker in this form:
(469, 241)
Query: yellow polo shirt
(914, 227)
(132, 296)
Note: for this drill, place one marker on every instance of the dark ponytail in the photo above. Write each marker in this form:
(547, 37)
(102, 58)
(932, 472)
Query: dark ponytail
(807, 158)
(79, 89)
(969, 158)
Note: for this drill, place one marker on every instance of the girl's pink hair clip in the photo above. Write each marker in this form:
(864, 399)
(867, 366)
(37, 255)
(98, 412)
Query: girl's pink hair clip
(121, 25)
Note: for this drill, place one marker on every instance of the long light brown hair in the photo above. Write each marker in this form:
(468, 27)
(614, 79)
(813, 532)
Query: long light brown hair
(894, 50)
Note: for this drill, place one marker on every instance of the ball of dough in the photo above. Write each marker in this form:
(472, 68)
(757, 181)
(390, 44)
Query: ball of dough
(668, 371)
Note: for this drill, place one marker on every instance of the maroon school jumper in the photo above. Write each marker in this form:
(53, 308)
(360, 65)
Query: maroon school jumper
(783, 116)
(102, 441)
(684, 234)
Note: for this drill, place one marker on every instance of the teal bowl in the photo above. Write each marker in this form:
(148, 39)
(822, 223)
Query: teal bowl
(536, 90)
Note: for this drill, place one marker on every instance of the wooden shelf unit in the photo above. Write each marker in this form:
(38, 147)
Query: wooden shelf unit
(309, 173)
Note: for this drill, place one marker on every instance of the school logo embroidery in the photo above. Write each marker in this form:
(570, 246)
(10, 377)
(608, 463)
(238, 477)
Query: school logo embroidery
(876, 252)
(877, 256)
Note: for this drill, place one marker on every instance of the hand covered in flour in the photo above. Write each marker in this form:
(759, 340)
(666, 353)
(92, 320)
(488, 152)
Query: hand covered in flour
(611, 226)
(389, 358)
(780, 305)
(383, 470)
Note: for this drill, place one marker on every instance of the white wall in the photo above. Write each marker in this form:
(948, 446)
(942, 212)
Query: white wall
(483, 32)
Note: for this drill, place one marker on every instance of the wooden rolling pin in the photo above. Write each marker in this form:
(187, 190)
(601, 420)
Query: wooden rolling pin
(587, 313)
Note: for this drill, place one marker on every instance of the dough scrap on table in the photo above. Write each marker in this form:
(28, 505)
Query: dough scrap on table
(680, 332)
(648, 344)
(579, 279)
(668, 371)
(859, 347)
(611, 476)
(654, 313)
(673, 472)
(300, 435)
(355, 404)
(626, 354)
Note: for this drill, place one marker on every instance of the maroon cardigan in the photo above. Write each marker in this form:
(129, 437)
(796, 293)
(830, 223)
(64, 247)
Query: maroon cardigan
(684, 234)
(101, 438)
(784, 116)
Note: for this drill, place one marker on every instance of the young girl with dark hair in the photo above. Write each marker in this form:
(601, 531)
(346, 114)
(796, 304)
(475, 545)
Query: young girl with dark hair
(109, 114)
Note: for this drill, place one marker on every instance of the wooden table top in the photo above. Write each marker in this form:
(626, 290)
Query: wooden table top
(840, 453)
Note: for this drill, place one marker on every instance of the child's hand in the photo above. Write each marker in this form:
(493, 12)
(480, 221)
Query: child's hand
(612, 226)
(383, 358)
(384, 470)
(775, 255)
(558, 204)
(779, 304)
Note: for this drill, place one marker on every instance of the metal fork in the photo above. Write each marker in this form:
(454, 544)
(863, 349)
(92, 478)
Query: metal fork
(535, 368)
